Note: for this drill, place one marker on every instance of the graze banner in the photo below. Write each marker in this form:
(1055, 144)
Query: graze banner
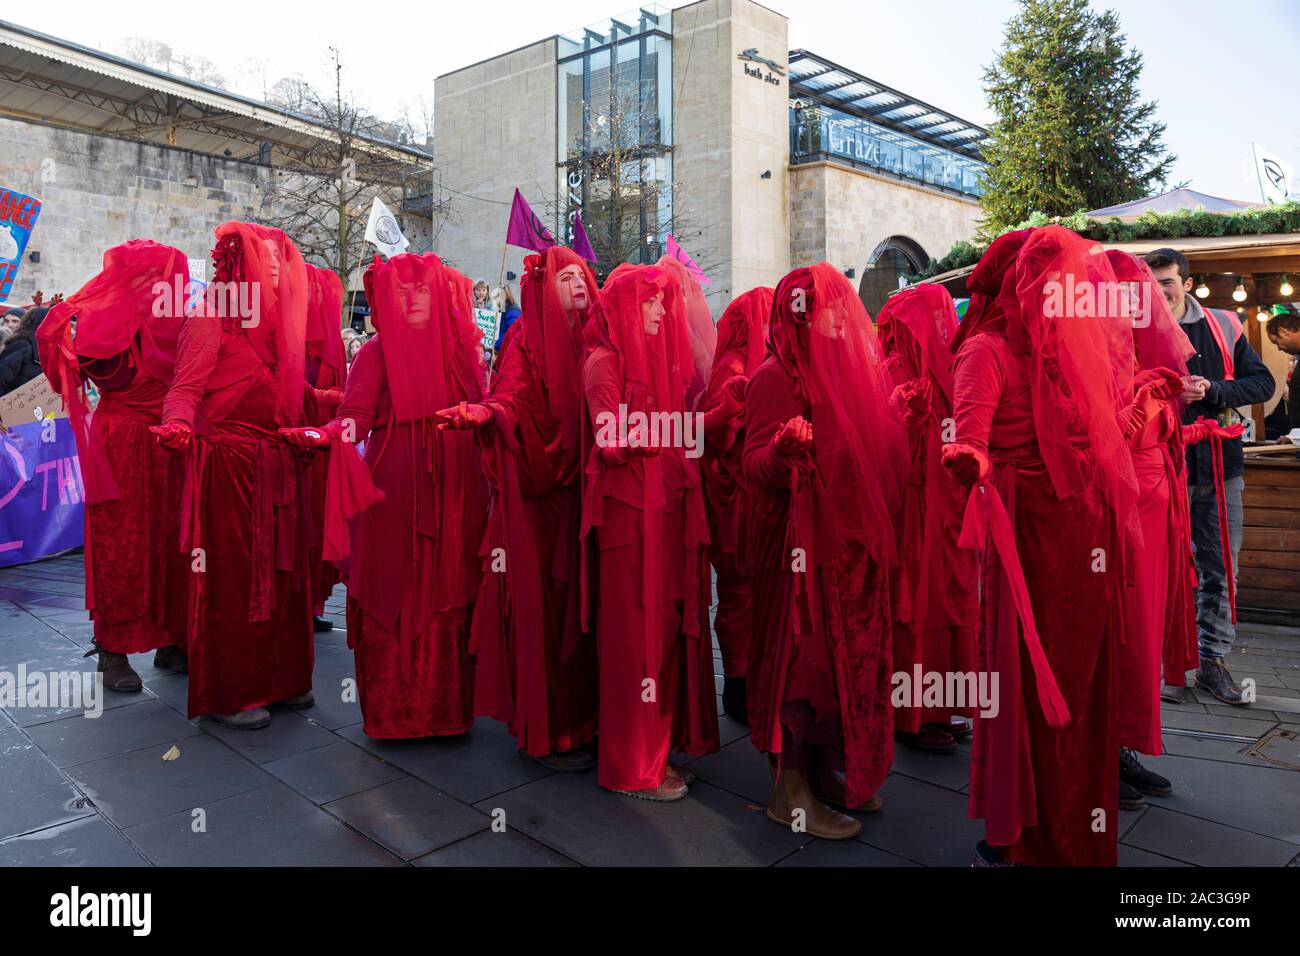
(33, 402)
(17, 220)
(41, 492)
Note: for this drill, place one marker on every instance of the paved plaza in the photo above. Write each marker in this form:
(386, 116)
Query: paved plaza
(313, 790)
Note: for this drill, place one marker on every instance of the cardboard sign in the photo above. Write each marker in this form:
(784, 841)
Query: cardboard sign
(486, 320)
(33, 402)
(17, 220)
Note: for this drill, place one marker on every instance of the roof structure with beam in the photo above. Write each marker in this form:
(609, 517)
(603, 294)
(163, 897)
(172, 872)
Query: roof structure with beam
(48, 80)
(816, 78)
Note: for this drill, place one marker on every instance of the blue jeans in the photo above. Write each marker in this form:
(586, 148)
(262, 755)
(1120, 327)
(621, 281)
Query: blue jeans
(1215, 630)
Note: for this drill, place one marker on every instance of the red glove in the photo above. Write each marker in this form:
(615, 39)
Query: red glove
(464, 415)
(966, 462)
(912, 399)
(174, 436)
(794, 439)
(306, 437)
(733, 395)
(1203, 428)
(1151, 399)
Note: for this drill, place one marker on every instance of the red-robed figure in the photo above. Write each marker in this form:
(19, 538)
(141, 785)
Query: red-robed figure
(642, 498)
(1038, 400)
(128, 319)
(416, 506)
(239, 378)
(326, 372)
(936, 597)
(535, 666)
(1160, 608)
(701, 332)
(742, 342)
(824, 465)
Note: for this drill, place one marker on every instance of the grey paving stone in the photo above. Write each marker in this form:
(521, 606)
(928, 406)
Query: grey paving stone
(77, 739)
(288, 733)
(35, 644)
(85, 842)
(1205, 843)
(495, 849)
(471, 767)
(139, 786)
(331, 710)
(1215, 723)
(1131, 856)
(1264, 800)
(922, 822)
(1201, 748)
(269, 826)
(1256, 711)
(33, 793)
(171, 688)
(408, 817)
(328, 773)
(710, 827)
(844, 853)
(739, 769)
(945, 770)
(14, 620)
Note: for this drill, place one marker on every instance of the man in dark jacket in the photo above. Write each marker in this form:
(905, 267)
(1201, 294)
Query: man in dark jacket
(1284, 332)
(1224, 374)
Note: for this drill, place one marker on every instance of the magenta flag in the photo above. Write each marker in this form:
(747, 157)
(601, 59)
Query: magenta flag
(526, 230)
(581, 244)
(682, 256)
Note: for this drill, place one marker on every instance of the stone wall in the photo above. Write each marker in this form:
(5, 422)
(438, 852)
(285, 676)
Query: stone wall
(99, 191)
(841, 214)
(495, 129)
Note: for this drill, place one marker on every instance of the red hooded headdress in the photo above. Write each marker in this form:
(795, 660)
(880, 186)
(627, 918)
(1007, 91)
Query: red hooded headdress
(267, 259)
(133, 307)
(699, 326)
(325, 320)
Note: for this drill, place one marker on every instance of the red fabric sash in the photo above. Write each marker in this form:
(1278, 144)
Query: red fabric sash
(986, 519)
(348, 492)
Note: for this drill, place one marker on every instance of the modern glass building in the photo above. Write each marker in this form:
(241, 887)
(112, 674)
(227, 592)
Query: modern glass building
(615, 133)
(701, 123)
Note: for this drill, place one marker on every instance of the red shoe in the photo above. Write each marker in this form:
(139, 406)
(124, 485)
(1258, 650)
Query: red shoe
(931, 739)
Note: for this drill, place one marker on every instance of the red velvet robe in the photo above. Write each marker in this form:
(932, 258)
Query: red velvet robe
(640, 723)
(724, 496)
(536, 669)
(317, 410)
(249, 634)
(1048, 795)
(413, 571)
(821, 632)
(1161, 616)
(137, 583)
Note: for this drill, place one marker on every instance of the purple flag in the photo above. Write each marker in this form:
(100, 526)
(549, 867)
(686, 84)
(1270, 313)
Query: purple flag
(526, 230)
(682, 256)
(581, 244)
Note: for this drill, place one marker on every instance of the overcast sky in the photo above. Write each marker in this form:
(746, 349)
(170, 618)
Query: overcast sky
(1223, 73)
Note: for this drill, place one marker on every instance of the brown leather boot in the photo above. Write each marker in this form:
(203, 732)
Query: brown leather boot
(829, 786)
(671, 789)
(118, 674)
(172, 658)
(791, 793)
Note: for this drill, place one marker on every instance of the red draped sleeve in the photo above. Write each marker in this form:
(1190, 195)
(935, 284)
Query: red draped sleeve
(196, 358)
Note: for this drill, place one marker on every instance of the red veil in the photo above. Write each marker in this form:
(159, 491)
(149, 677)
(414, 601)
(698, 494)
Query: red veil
(1157, 339)
(423, 360)
(549, 341)
(656, 371)
(138, 297)
(325, 319)
(247, 252)
(742, 345)
(699, 326)
(823, 338)
(916, 327)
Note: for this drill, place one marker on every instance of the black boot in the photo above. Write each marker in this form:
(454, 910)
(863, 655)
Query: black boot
(986, 855)
(320, 624)
(1214, 677)
(118, 673)
(172, 658)
(1139, 777)
(1130, 797)
(733, 700)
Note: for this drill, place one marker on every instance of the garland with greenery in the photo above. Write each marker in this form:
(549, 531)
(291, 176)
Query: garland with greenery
(1180, 224)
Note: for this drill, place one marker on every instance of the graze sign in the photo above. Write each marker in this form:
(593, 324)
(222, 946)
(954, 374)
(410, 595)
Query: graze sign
(753, 65)
(17, 220)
